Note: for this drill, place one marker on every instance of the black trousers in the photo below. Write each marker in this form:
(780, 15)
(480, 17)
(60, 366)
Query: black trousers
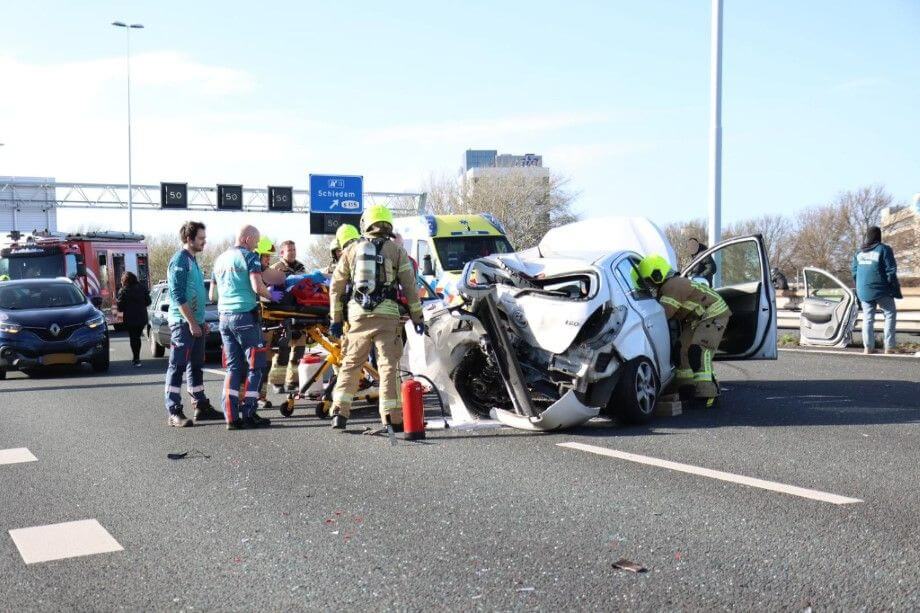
(134, 334)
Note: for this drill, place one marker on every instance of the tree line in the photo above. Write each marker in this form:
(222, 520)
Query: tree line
(823, 236)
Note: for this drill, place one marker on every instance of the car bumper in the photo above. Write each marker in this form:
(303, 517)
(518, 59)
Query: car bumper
(29, 351)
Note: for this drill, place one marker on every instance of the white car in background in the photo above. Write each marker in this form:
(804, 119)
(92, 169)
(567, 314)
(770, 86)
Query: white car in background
(553, 336)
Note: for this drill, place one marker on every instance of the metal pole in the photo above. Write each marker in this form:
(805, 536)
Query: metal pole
(715, 140)
(130, 186)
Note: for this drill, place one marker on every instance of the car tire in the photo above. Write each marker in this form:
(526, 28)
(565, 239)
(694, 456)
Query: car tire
(636, 392)
(100, 363)
(2, 374)
(156, 349)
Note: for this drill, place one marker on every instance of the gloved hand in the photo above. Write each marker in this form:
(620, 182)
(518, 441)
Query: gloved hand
(335, 330)
(275, 295)
(421, 328)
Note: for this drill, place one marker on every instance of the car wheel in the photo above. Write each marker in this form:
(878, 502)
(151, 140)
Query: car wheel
(636, 393)
(100, 363)
(156, 349)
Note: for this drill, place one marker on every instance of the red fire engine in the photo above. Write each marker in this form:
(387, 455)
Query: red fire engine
(94, 260)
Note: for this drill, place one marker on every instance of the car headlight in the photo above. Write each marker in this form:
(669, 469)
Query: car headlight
(95, 322)
(9, 328)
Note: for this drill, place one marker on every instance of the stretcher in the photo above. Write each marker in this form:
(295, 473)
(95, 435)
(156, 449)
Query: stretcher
(313, 323)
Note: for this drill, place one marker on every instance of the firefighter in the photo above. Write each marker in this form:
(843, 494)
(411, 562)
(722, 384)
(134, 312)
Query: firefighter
(375, 266)
(289, 265)
(345, 235)
(703, 316)
(265, 249)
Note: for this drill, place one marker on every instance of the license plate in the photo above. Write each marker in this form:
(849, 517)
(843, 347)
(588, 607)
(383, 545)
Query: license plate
(59, 358)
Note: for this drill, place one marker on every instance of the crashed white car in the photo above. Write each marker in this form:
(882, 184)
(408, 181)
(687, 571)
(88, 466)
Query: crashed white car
(553, 336)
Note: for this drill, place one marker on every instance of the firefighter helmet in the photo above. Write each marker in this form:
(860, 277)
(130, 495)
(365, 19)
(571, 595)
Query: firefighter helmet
(654, 268)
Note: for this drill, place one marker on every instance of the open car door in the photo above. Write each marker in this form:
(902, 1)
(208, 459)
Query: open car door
(742, 278)
(829, 310)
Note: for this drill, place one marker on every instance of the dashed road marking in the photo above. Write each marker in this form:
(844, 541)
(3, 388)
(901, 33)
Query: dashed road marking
(715, 474)
(16, 456)
(60, 541)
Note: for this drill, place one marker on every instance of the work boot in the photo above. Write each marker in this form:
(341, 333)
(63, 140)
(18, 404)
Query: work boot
(237, 424)
(205, 411)
(339, 421)
(179, 420)
(254, 421)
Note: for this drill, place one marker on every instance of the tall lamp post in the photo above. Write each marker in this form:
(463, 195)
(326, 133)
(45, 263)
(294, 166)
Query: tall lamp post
(128, 28)
(715, 136)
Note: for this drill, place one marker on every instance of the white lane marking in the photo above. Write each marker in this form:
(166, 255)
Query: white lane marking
(60, 541)
(215, 371)
(16, 456)
(715, 474)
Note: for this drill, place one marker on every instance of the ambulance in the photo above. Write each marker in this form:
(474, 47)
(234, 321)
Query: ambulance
(442, 245)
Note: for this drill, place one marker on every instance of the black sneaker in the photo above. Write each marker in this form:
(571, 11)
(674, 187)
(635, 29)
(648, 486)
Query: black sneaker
(254, 421)
(179, 420)
(238, 424)
(264, 403)
(205, 411)
(137, 363)
(339, 421)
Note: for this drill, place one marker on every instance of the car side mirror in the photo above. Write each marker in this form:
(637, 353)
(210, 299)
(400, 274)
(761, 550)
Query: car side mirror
(96, 301)
(427, 266)
(165, 307)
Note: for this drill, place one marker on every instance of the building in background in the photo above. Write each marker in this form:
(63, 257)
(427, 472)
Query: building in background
(901, 229)
(27, 204)
(478, 158)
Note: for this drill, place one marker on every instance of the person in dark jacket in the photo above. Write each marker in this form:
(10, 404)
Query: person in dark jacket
(779, 279)
(706, 268)
(133, 300)
(876, 274)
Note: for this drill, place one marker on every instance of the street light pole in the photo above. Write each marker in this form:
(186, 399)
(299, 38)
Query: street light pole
(715, 137)
(128, 28)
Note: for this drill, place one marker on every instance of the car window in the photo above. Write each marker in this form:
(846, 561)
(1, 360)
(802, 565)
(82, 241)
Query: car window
(41, 296)
(738, 264)
(823, 287)
(625, 270)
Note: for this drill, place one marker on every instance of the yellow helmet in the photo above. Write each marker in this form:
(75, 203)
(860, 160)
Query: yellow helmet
(4, 277)
(376, 214)
(347, 233)
(265, 246)
(654, 268)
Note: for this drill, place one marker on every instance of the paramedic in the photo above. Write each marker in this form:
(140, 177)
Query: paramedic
(187, 329)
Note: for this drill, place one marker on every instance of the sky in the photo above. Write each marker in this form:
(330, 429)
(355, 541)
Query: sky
(818, 97)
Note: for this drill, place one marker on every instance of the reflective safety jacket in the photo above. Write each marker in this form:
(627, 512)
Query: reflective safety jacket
(397, 269)
(686, 300)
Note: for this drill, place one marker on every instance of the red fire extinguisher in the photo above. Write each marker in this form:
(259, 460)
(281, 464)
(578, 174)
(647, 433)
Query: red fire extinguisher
(413, 410)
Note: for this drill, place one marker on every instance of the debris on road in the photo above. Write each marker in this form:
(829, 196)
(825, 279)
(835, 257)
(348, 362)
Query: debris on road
(624, 564)
(188, 455)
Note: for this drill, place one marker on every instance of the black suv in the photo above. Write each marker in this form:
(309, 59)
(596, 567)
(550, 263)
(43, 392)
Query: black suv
(49, 321)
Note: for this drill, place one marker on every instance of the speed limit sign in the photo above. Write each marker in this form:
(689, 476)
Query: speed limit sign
(280, 198)
(230, 197)
(174, 195)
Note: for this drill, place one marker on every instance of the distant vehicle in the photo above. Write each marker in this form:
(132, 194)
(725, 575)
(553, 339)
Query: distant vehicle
(44, 322)
(93, 260)
(442, 245)
(158, 336)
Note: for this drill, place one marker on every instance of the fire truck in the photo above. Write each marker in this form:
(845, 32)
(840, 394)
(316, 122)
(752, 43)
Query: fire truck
(93, 260)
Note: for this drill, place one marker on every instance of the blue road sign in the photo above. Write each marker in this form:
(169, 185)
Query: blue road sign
(336, 194)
